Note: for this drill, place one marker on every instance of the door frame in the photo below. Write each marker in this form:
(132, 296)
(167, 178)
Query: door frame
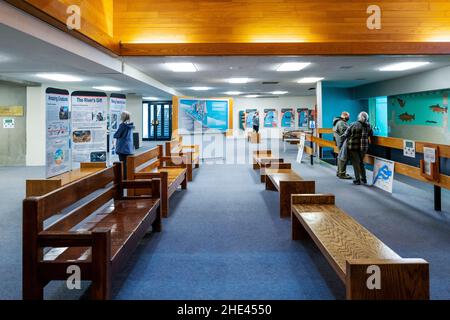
(151, 127)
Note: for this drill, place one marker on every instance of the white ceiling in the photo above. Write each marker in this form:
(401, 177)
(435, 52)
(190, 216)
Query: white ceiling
(342, 71)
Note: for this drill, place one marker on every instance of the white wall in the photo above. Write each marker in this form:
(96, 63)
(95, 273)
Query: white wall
(35, 135)
(241, 104)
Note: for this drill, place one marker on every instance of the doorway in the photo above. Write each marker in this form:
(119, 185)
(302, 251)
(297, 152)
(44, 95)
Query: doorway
(157, 120)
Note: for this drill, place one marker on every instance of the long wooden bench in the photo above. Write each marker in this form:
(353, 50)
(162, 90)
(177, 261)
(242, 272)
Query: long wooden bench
(172, 171)
(274, 167)
(264, 157)
(287, 184)
(39, 187)
(97, 236)
(368, 268)
(175, 147)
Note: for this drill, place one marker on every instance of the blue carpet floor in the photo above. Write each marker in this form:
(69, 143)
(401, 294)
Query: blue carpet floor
(224, 238)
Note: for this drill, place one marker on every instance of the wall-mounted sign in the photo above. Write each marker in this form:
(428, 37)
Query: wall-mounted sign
(409, 148)
(429, 157)
(117, 104)
(11, 111)
(301, 148)
(9, 124)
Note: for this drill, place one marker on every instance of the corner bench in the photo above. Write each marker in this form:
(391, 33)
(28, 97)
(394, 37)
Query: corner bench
(354, 252)
(175, 147)
(151, 164)
(287, 184)
(97, 236)
(264, 157)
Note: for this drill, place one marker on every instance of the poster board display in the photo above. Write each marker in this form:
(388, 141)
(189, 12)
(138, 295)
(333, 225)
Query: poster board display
(301, 148)
(383, 174)
(304, 114)
(89, 124)
(58, 155)
(287, 118)
(199, 115)
(249, 113)
(270, 118)
(117, 104)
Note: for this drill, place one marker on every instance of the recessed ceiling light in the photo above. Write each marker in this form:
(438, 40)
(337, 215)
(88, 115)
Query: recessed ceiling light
(310, 80)
(238, 80)
(200, 88)
(60, 77)
(151, 98)
(252, 96)
(293, 66)
(107, 88)
(233, 93)
(402, 66)
(279, 92)
(182, 67)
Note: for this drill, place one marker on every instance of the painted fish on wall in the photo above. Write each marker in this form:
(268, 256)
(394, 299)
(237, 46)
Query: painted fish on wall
(438, 108)
(401, 102)
(405, 117)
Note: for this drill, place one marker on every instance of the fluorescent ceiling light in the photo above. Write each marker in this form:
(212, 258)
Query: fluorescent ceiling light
(293, 66)
(310, 80)
(233, 93)
(60, 77)
(200, 88)
(151, 98)
(252, 96)
(402, 66)
(238, 80)
(279, 92)
(182, 67)
(107, 88)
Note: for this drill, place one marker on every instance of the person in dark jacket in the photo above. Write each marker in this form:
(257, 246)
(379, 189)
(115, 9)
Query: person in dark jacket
(340, 126)
(124, 140)
(255, 122)
(358, 144)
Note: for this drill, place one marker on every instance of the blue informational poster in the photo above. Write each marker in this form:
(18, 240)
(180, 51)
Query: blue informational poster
(199, 115)
(303, 117)
(249, 113)
(270, 118)
(287, 118)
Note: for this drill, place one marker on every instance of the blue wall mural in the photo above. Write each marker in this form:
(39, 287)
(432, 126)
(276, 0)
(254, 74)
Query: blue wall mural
(204, 114)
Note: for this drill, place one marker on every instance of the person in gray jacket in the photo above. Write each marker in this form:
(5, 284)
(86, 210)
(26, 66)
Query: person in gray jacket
(340, 126)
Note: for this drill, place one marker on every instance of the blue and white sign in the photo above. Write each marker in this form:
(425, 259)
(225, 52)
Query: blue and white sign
(383, 174)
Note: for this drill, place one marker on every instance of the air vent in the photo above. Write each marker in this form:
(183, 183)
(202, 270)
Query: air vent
(270, 82)
(311, 89)
(346, 67)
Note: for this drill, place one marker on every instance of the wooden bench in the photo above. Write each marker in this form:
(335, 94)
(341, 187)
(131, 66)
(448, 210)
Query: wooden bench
(97, 236)
(254, 137)
(264, 157)
(287, 184)
(274, 167)
(355, 253)
(175, 147)
(152, 164)
(39, 187)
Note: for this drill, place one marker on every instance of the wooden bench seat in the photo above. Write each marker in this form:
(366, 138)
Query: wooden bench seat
(95, 234)
(254, 137)
(39, 187)
(274, 167)
(172, 171)
(264, 158)
(287, 184)
(351, 250)
(175, 147)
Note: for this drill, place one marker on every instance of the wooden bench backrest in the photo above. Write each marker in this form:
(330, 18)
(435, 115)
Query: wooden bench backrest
(148, 159)
(39, 209)
(174, 145)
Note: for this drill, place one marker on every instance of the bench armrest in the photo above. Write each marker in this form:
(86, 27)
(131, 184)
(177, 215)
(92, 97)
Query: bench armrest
(66, 238)
(175, 161)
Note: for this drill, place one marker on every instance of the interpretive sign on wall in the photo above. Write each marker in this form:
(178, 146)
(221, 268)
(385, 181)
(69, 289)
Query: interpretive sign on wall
(89, 124)
(270, 118)
(117, 104)
(287, 118)
(58, 159)
(409, 148)
(197, 115)
(383, 174)
(11, 111)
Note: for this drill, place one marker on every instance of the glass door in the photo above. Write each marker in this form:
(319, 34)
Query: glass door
(157, 120)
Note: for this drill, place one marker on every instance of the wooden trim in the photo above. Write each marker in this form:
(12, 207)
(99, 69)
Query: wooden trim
(265, 49)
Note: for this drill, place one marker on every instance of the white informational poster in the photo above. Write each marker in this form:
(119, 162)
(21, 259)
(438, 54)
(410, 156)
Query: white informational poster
(58, 159)
(429, 157)
(301, 148)
(383, 174)
(117, 104)
(89, 125)
(409, 148)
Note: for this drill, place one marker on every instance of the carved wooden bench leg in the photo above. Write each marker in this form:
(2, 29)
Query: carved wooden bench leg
(189, 171)
(157, 225)
(101, 257)
(402, 279)
(184, 183)
(287, 188)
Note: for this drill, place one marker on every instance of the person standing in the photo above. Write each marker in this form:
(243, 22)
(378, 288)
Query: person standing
(340, 126)
(358, 144)
(124, 140)
(255, 122)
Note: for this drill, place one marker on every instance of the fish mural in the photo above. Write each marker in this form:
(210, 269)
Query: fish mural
(438, 108)
(405, 117)
(401, 102)
(431, 121)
